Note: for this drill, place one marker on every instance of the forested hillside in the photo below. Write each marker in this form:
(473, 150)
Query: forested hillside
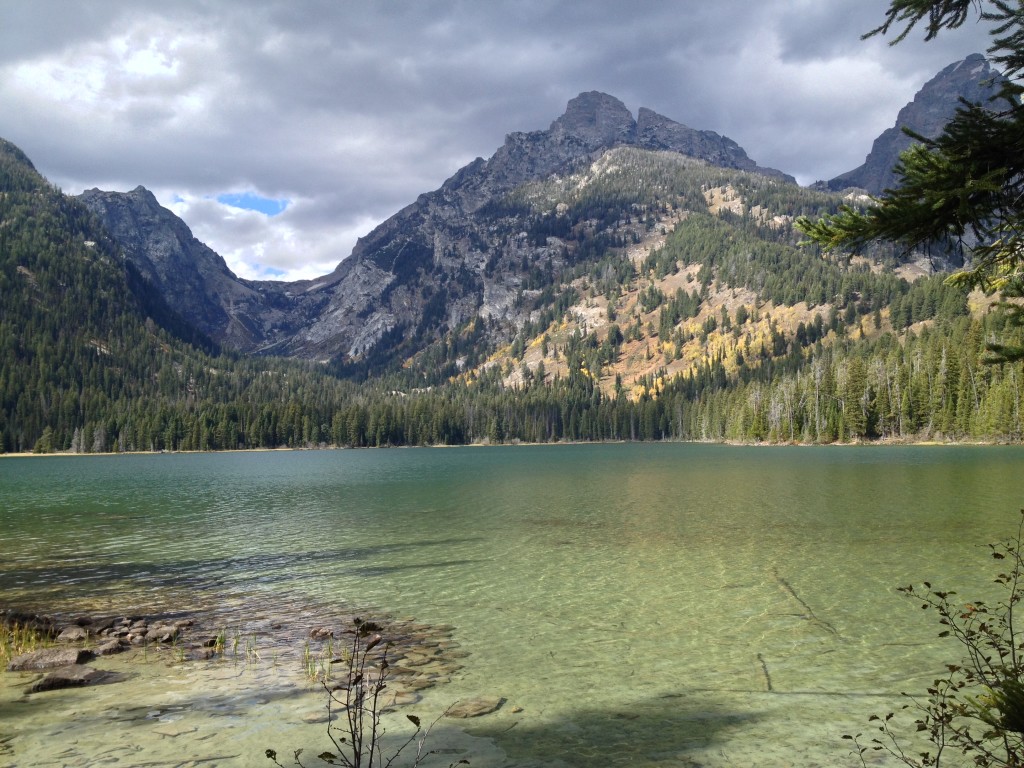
(657, 297)
(91, 360)
(691, 310)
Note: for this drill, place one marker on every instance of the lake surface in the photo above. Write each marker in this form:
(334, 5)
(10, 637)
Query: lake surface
(653, 605)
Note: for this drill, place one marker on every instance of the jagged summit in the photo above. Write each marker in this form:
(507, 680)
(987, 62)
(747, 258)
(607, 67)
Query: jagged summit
(973, 79)
(432, 266)
(596, 119)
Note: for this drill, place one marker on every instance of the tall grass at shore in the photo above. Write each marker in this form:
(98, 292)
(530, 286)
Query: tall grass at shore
(17, 638)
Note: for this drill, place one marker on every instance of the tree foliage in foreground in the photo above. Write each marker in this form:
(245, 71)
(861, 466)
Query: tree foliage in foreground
(965, 187)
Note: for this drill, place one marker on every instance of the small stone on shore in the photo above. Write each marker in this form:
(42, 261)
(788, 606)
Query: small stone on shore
(73, 634)
(109, 648)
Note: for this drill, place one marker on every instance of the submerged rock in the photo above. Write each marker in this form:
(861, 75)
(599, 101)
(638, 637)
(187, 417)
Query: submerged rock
(74, 676)
(319, 717)
(482, 705)
(49, 658)
(398, 699)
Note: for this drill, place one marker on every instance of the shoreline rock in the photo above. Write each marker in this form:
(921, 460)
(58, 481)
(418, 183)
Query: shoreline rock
(419, 656)
(49, 658)
(74, 676)
(67, 658)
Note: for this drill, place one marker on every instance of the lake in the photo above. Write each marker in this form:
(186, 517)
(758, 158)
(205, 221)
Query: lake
(638, 604)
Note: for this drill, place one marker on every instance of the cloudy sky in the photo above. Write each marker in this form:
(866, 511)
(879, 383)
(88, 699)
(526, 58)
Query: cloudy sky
(282, 130)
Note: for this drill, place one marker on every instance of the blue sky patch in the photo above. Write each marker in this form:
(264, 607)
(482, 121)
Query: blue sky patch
(253, 202)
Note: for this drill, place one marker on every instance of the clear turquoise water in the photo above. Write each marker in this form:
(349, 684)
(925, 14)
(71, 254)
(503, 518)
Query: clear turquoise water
(639, 604)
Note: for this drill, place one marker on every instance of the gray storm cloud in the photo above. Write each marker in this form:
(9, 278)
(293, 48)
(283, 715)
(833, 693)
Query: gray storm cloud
(351, 110)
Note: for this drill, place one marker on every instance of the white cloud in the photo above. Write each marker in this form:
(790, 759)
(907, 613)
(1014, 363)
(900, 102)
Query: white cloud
(258, 246)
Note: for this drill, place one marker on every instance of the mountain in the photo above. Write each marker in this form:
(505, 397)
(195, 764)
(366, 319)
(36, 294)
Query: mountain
(606, 278)
(425, 271)
(241, 314)
(93, 359)
(973, 80)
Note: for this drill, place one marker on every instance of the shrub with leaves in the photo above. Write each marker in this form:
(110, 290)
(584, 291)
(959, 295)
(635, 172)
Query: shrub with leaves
(974, 714)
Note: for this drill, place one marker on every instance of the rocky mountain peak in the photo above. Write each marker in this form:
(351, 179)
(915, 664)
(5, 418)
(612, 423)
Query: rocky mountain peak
(423, 270)
(596, 119)
(973, 79)
(139, 194)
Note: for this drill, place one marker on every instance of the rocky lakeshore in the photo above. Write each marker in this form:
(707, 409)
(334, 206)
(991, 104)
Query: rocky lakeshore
(62, 649)
(418, 656)
(300, 659)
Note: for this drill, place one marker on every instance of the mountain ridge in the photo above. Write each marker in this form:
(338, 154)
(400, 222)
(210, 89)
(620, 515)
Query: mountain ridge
(632, 293)
(451, 255)
(972, 79)
(327, 318)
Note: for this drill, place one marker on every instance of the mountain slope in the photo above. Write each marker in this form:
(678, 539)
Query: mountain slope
(92, 360)
(972, 79)
(421, 273)
(241, 314)
(665, 298)
(709, 245)
(596, 280)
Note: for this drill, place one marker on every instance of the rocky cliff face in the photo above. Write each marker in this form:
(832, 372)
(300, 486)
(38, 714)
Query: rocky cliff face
(195, 280)
(426, 270)
(972, 79)
(438, 245)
